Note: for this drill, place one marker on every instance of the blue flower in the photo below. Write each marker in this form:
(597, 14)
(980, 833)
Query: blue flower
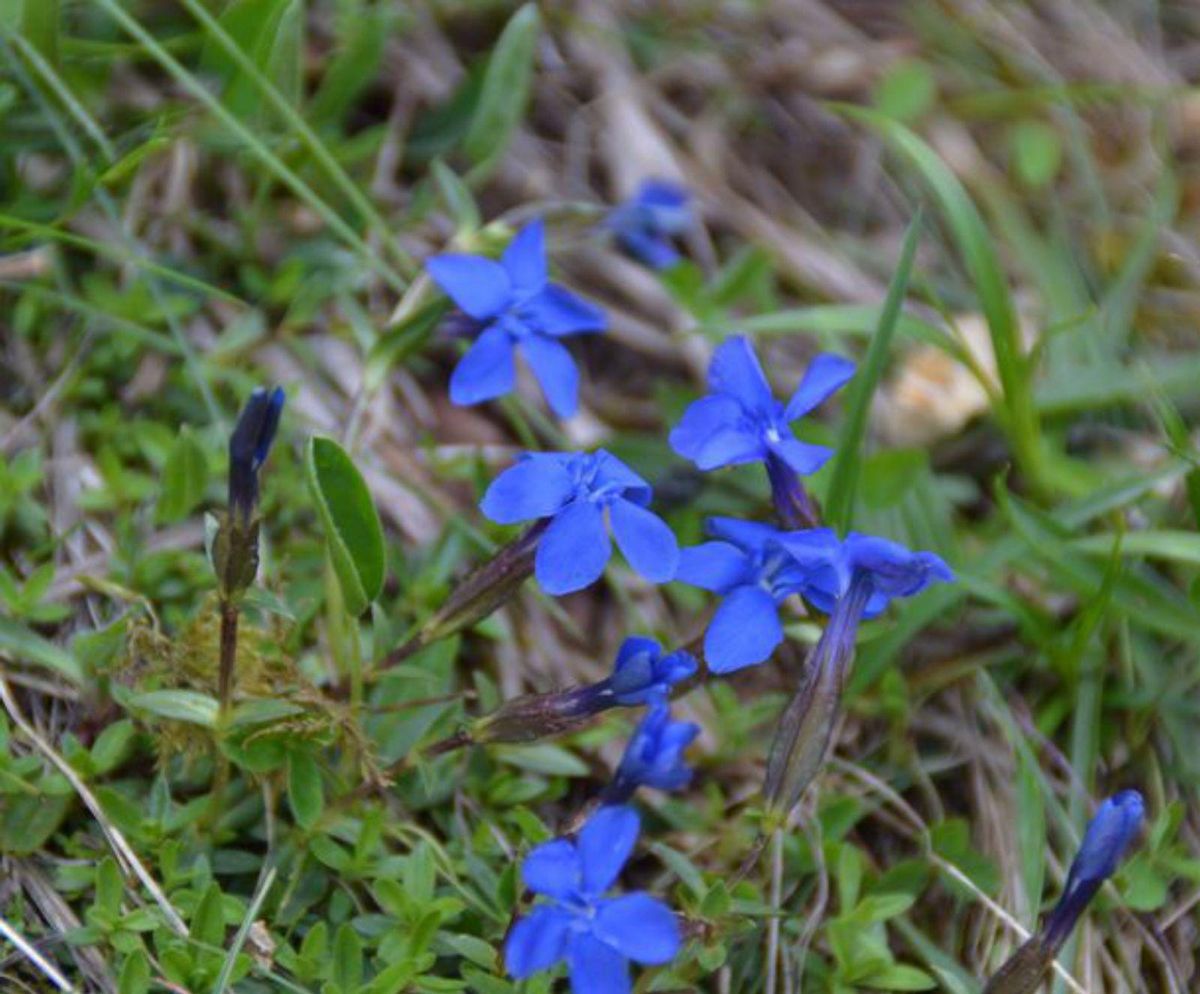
(597, 936)
(248, 447)
(884, 569)
(643, 675)
(740, 421)
(754, 573)
(574, 490)
(515, 305)
(654, 756)
(1116, 824)
(644, 225)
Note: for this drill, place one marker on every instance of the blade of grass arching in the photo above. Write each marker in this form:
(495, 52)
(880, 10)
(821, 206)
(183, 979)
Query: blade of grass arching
(309, 138)
(79, 160)
(239, 939)
(858, 320)
(118, 253)
(139, 333)
(1018, 416)
(847, 464)
(45, 70)
(1179, 435)
(1088, 661)
(252, 142)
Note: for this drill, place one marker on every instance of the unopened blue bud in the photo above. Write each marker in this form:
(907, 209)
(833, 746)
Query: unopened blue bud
(248, 448)
(1116, 824)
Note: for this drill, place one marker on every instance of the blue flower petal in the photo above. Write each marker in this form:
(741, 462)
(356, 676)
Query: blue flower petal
(537, 941)
(596, 968)
(613, 474)
(634, 668)
(744, 631)
(749, 535)
(735, 370)
(894, 570)
(479, 286)
(676, 667)
(651, 249)
(801, 456)
(715, 566)
(640, 928)
(525, 260)
(553, 868)
(645, 539)
(555, 371)
(714, 432)
(826, 374)
(532, 488)
(556, 311)
(486, 371)
(667, 203)
(573, 552)
(605, 843)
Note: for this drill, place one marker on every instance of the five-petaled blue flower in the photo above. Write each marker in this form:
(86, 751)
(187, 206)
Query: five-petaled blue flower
(644, 225)
(643, 675)
(884, 570)
(248, 447)
(596, 935)
(517, 306)
(1115, 825)
(654, 755)
(749, 566)
(575, 489)
(740, 421)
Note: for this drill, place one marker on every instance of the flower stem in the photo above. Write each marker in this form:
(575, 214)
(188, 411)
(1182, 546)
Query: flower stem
(227, 665)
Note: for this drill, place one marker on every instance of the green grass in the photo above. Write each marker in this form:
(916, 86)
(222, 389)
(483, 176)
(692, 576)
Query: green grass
(202, 197)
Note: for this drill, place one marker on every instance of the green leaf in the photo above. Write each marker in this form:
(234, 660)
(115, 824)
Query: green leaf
(505, 92)
(347, 958)
(208, 923)
(457, 196)
(906, 91)
(1037, 152)
(352, 529)
(305, 795)
(847, 464)
(184, 477)
(899, 977)
(178, 705)
(24, 646)
(1182, 547)
(547, 758)
(1031, 833)
(135, 974)
(271, 34)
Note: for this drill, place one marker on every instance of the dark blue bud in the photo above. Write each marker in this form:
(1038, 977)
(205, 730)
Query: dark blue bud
(248, 447)
(643, 675)
(1116, 824)
(654, 756)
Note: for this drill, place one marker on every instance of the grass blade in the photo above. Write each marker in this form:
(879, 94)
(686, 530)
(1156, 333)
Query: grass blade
(839, 506)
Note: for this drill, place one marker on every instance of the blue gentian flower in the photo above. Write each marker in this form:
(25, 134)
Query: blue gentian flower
(248, 447)
(752, 570)
(596, 935)
(885, 569)
(654, 756)
(574, 490)
(643, 675)
(644, 225)
(516, 306)
(740, 421)
(1116, 824)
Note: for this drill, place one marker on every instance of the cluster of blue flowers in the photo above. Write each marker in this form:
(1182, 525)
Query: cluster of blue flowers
(580, 499)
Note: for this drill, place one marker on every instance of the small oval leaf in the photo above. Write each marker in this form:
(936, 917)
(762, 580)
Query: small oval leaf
(305, 796)
(351, 523)
(178, 705)
(184, 477)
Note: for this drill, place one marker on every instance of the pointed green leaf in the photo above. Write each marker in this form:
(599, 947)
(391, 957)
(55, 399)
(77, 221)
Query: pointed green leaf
(352, 529)
(305, 795)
